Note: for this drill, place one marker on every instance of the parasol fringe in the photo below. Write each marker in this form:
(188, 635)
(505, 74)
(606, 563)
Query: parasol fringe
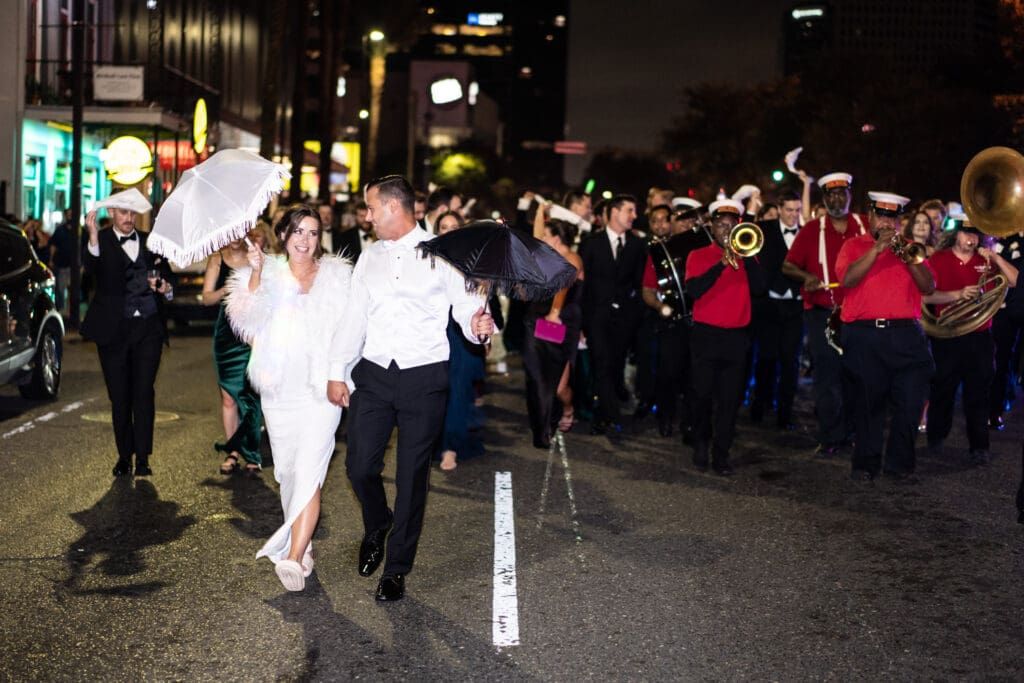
(184, 257)
(217, 240)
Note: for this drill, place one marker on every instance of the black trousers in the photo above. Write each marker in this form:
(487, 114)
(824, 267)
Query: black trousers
(130, 364)
(543, 363)
(609, 338)
(830, 387)
(887, 366)
(414, 401)
(1006, 327)
(719, 361)
(778, 329)
(963, 360)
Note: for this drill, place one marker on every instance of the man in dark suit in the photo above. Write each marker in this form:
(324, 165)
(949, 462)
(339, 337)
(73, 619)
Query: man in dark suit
(777, 319)
(613, 263)
(329, 230)
(351, 242)
(126, 322)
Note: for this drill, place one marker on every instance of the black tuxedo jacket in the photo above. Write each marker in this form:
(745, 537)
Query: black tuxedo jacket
(610, 286)
(106, 311)
(771, 257)
(350, 243)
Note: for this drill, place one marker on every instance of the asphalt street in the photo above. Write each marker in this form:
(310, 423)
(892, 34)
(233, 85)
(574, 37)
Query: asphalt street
(628, 564)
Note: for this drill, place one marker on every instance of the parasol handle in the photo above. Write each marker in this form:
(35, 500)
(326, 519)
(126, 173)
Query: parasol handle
(486, 339)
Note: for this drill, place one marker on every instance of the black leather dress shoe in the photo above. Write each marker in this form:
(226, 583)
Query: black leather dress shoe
(371, 551)
(826, 450)
(665, 428)
(996, 423)
(122, 469)
(142, 469)
(861, 475)
(391, 588)
(700, 456)
(786, 425)
(643, 409)
(725, 470)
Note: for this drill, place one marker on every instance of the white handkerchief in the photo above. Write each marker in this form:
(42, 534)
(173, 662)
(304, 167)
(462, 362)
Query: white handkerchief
(128, 199)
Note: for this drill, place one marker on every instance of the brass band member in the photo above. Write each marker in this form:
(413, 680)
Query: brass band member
(669, 317)
(884, 348)
(812, 259)
(968, 358)
(721, 284)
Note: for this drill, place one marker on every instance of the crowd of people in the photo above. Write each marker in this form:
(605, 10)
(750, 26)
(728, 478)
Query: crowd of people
(678, 311)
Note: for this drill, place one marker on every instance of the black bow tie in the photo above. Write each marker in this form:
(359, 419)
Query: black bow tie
(128, 238)
(789, 231)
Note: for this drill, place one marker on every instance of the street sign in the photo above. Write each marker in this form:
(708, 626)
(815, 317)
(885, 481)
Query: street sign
(570, 147)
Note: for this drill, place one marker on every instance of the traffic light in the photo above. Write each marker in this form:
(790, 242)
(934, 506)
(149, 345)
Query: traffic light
(778, 175)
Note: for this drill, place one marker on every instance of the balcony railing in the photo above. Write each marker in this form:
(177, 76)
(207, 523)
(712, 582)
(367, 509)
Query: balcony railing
(49, 83)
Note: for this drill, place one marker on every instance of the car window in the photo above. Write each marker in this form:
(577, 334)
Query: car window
(15, 252)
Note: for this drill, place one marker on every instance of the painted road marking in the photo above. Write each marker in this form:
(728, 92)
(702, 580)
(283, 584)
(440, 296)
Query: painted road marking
(505, 625)
(21, 429)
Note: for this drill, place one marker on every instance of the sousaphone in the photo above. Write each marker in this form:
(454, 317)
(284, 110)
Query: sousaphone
(992, 194)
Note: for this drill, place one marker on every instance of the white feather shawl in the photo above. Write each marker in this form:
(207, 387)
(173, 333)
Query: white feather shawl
(273, 323)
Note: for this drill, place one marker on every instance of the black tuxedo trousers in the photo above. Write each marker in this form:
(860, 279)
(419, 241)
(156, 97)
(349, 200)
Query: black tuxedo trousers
(130, 363)
(413, 400)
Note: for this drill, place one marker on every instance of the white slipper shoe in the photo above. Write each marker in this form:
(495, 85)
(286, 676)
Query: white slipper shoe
(291, 574)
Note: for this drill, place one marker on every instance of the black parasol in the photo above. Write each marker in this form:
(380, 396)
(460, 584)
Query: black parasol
(509, 261)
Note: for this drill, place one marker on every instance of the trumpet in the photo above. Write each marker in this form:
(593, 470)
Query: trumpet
(745, 240)
(909, 252)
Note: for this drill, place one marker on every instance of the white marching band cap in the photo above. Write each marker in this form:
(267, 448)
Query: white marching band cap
(726, 206)
(887, 203)
(130, 199)
(833, 180)
(685, 203)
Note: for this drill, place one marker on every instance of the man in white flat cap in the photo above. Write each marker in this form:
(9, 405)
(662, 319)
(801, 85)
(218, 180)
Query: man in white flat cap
(811, 259)
(885, 351)
(126, 322)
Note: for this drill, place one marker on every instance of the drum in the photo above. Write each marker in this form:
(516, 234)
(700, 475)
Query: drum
(669, 259)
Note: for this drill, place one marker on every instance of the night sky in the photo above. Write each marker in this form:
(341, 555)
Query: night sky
(629, 61)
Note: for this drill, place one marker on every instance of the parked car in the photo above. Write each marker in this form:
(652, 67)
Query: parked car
(31, 329)
(187, 305)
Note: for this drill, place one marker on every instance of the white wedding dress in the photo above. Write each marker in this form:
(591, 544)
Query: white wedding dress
(290, 333)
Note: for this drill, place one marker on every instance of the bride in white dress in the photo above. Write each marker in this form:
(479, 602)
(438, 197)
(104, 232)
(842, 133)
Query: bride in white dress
(287, 308)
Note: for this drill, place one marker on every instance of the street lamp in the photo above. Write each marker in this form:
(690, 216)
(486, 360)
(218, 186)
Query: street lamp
(377, 60)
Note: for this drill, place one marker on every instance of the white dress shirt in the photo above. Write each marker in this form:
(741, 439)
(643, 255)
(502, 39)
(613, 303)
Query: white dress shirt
(613, 240)
(398, 308)
(788, 237)
(130, 247)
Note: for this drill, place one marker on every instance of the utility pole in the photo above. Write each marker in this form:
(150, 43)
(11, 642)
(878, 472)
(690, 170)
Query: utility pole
(77, 104)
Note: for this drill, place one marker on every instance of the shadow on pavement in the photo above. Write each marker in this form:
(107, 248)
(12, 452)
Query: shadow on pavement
(255, 500)
(127, 519)
(425, 644)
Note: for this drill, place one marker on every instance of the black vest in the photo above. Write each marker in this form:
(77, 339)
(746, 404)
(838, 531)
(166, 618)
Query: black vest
(138, 296)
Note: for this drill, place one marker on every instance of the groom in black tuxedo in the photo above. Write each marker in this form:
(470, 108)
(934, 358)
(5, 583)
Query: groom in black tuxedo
(613, 260)
(126, 322)
(777, 321)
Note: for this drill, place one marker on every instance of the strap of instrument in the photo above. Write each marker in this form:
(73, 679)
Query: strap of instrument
(675, 277)
(823, 256)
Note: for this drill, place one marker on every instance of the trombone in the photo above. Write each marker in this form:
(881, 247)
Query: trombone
(745, 240)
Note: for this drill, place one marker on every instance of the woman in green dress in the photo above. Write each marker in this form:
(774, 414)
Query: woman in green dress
(240, 404)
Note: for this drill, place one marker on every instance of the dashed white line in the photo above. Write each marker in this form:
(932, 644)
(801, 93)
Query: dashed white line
(505, 625)
(21, 429)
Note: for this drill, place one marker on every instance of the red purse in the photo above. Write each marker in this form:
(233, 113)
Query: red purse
(548, 331)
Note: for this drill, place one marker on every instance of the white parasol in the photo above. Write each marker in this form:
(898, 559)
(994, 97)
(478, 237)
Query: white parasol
(213, 204)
